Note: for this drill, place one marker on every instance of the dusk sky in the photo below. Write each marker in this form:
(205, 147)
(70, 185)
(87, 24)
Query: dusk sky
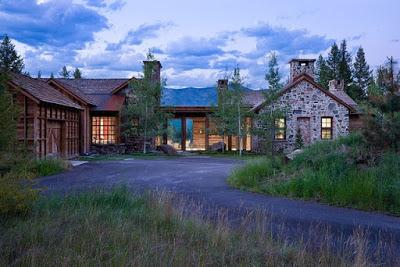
(196, 41)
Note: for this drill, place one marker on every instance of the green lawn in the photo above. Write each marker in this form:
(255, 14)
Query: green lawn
(119, 229)
(340, 172)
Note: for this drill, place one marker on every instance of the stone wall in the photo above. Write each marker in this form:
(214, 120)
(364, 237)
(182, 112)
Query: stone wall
(306, 104)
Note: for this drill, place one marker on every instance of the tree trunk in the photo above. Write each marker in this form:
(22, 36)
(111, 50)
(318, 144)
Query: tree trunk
(239, 131)
(145, 132)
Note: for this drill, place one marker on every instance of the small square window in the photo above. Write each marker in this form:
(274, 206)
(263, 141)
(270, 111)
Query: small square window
(280, 129)
(326, 128)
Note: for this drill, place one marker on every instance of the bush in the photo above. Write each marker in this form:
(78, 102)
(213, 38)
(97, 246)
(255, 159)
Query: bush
(16, 194)
(341, 172)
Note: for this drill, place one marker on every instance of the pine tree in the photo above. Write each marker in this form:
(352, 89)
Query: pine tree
(9, 59)
(77, 74)
(65, 73)
(345, 64)
(51, 75)
(39, 74)
(322, 72)
(362, 75)
(273, 77)
(333, 63)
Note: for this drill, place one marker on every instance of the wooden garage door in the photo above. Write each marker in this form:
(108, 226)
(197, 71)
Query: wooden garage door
(54, 138)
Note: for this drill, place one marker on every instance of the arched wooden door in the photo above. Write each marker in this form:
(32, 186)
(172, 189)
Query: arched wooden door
(54, 138)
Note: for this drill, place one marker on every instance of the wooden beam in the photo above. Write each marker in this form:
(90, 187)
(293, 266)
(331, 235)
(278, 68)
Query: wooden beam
(207, 126)
(183, 144)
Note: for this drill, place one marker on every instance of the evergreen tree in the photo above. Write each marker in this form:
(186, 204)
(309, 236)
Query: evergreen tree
(345, 64)
(39, 74)
(322, 72)
(142, 116)
(333, 63)
(77, 74)
(65, 73)
(362, 75)
(382, 125)
(273, 77)
(9, 59)
(52, 75)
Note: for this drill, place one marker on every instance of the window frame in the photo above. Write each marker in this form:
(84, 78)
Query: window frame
(108, 122)
(327, 128)
(277, 129)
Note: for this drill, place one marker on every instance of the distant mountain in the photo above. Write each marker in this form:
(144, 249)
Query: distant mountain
(191, 96)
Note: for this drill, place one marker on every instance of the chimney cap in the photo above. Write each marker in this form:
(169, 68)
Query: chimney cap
(302, 60)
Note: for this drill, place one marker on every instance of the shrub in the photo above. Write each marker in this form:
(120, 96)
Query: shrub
(15, 196)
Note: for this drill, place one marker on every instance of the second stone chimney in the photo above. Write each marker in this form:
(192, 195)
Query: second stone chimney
(155, 66)
(222, 84)
(301, 66)
(336, 85)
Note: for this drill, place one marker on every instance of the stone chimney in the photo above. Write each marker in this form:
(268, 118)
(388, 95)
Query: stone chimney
(155, 65)
(336, 85)
(301, 66)
(222, 84)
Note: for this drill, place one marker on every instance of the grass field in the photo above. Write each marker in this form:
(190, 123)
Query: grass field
(119, 229)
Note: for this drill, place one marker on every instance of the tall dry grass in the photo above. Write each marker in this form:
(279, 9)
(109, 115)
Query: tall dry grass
(120, 229)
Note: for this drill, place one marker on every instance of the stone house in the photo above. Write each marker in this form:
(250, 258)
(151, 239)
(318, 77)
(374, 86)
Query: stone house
(315, 112)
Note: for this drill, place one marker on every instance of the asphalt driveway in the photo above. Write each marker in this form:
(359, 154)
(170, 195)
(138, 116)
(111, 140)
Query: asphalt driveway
(204, 179)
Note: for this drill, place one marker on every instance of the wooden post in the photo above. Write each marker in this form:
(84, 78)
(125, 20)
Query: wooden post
(207, 126)
(229, 142)
(183, 141)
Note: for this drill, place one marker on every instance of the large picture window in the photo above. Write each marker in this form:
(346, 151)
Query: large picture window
(280, 129)
(103, 130)
(326, 128)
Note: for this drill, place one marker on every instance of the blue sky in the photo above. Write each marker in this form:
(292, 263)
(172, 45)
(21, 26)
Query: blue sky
(197, 42)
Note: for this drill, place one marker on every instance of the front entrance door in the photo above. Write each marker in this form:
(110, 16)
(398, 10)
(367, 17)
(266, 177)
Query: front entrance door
(305, 129)
(54, 138)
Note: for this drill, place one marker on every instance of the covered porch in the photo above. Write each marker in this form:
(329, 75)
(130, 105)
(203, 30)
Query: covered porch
(191, 129)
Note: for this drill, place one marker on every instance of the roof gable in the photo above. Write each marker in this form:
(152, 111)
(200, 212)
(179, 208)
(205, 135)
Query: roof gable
(41, 91)
(307, 78)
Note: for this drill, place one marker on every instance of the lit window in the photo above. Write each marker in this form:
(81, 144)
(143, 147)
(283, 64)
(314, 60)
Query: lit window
(280, 129)
(103, 130)
(326, 128)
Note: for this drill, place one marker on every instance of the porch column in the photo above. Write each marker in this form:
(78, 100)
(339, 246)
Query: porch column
(183, 144)
(207, 126)
(229, 142)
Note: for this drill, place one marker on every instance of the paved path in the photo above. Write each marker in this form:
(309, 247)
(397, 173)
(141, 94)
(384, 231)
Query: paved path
(204, 179)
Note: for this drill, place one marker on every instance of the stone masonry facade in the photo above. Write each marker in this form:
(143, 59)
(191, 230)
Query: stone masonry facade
(304, 106)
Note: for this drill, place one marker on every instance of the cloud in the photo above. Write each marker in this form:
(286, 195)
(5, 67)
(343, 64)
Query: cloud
(52, 23)
(140, 34)
(196, 47)
(286, 41)
(114, 5)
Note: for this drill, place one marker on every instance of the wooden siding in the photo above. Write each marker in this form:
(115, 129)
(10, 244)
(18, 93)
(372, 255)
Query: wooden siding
(43, 125)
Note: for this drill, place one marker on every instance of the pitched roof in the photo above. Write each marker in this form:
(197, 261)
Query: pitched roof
(73, 90)
(41, 91)
(340, 97)
(94, 86)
